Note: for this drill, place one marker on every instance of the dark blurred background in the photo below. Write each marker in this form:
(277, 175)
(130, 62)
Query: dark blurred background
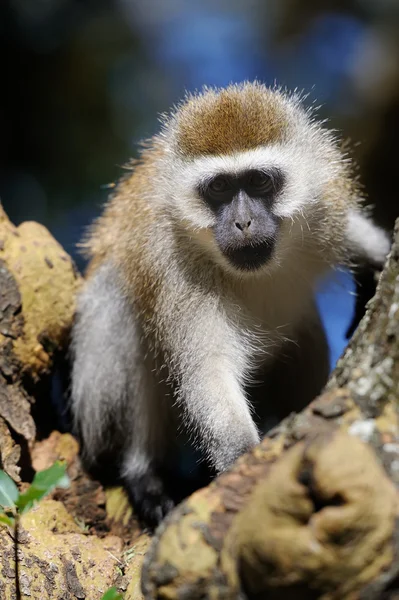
(82, 82)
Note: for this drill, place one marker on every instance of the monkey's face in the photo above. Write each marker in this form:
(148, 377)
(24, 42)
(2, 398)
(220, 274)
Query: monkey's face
(253, 211)
(245, 227)
(248, 178)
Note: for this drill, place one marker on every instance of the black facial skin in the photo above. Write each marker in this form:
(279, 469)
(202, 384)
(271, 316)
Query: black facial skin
(246, 229)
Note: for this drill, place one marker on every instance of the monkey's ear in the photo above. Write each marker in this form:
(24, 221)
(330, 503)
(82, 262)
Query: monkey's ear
(366, 278)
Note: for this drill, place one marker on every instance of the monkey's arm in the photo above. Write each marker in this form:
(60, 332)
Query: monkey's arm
(369, 243)
(208, 362)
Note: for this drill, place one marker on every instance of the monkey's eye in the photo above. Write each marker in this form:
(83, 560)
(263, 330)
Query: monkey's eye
(261, 182)
(219, 185)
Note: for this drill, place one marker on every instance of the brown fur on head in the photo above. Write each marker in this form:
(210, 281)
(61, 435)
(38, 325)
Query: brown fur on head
(238, 118)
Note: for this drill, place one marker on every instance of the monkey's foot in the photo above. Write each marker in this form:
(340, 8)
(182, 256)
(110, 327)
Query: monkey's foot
(150, 501)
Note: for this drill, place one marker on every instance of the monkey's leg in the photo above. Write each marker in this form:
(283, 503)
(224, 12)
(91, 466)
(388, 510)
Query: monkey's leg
(121, 419)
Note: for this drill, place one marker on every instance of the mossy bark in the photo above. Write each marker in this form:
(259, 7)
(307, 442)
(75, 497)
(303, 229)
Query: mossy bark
(312, 512)
(38, 283)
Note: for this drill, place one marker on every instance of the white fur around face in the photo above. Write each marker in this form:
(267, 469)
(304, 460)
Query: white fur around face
(304, 162)
(308, 162)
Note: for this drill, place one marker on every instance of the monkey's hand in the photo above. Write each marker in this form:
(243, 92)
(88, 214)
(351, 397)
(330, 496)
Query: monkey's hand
(224, 451)
(220, 416)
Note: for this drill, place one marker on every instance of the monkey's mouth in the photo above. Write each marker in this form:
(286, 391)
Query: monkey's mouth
(251, 256)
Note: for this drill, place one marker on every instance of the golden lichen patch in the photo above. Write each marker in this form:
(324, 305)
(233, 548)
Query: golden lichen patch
(117, 505)
(47, 282)
(134, 557)
(56, 559)
(184, 546)
(52, 515)
(58, 446)
(234, 119)
(10, 452)
(283, 539)
(3, 216)
(387, 422)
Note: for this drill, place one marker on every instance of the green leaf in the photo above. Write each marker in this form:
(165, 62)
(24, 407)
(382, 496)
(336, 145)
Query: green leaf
(8, 491)
(112, 594)
(43, 483)
(7, 520)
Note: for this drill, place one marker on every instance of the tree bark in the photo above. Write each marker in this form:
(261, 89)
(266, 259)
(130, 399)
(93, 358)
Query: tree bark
(312, 512)
(38, 283)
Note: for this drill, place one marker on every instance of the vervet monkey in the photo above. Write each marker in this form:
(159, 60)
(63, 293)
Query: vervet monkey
(198, 312)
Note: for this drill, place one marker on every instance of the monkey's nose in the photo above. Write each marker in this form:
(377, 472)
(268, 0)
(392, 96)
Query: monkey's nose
(243, 225)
